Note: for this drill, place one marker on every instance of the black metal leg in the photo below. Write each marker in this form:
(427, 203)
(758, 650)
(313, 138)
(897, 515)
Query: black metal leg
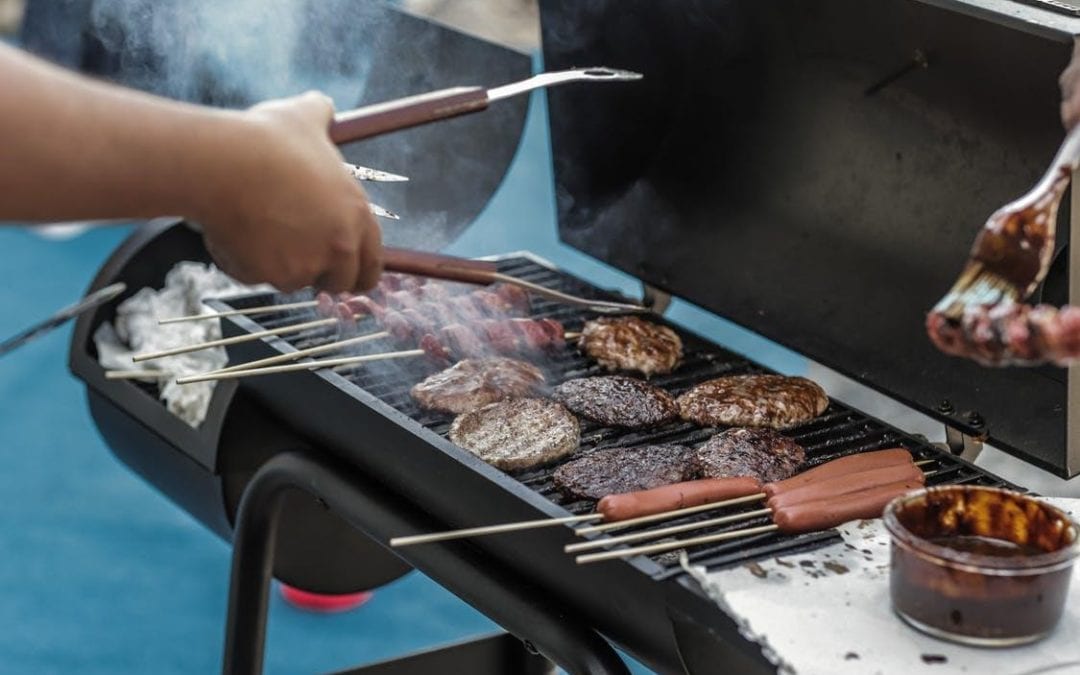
(497, 654)
(465, 571)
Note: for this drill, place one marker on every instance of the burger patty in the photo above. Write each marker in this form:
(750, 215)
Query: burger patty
(762, 453)
(630, 343)
(520, 433)
(774, 401)
(472, 383)
(617, 401)
(618, 470)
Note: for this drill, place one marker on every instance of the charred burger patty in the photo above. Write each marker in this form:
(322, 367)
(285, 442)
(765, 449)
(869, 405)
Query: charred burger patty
(762, 453)
(616, 401)
(774, 401)
(630, 343)
(618, 470)
(520, 433)
(472, 383)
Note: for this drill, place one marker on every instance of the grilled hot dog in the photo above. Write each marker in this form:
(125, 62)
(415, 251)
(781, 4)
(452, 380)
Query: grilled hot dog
(675, 496)
(837, 487)
(841, 467)
(825, 513)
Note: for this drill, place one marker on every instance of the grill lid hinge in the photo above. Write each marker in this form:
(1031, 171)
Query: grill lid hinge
(654, 298)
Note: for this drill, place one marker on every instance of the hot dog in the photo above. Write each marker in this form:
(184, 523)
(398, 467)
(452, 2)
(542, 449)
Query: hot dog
(825, 513)
(840, 486)
(841, 467)
(675, 496)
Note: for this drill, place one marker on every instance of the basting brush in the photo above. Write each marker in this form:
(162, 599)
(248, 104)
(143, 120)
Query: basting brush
(1012, 253)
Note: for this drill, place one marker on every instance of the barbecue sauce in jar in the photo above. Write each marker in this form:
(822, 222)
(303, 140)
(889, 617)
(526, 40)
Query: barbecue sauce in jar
(979, 565)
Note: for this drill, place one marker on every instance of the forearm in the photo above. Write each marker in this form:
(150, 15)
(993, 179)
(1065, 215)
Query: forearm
(71, 147)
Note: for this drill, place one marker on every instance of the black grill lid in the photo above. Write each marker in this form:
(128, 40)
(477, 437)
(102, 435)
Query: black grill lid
(816, 172)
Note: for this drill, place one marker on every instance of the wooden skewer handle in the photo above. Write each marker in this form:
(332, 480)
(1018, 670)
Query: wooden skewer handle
(438, 266)
(403, 113)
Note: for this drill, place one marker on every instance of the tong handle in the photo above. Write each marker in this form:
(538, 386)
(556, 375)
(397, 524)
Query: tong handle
(403, 113)
(438, 266)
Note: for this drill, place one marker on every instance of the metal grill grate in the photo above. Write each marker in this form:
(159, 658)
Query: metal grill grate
(839, 431)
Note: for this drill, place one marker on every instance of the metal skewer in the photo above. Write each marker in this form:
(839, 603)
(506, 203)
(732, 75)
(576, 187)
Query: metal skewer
(257, 335)
(490, 529)
(667, 515)
(674, 545)
(663, 532)
(295, 367)
(301, 353)
(262, 309)
(253, 367)
(136, 374)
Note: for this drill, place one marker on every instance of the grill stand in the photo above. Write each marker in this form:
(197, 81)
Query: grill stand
(497, 592)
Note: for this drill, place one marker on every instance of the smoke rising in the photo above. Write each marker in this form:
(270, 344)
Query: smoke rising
(237, 52)
(234, 53)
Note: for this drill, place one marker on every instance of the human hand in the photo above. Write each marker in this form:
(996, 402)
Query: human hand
(1070, 90)
(280, 208)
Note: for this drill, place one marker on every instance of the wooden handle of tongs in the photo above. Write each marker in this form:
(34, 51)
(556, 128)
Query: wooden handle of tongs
(438, 266)
(403, 113)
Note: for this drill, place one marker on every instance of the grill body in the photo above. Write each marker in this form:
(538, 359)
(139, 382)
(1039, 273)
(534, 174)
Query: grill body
(366, 417)
(366, 420)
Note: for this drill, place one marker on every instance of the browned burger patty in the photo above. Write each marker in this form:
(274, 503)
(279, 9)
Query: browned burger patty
(761, 453)
(617, 401)
(472, 383)
(774, 401)
(630, 343)
(618, 470)
(518, 434)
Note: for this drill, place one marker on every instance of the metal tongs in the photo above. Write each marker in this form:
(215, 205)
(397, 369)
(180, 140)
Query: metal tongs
(484, 272)
(412, 111)
(403, 113)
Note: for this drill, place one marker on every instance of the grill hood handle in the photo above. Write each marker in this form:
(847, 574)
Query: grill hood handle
(438, 266)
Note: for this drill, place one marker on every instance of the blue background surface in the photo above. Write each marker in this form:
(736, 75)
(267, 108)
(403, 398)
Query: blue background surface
(101, 574)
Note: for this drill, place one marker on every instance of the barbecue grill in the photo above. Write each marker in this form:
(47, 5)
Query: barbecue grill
(311, 472)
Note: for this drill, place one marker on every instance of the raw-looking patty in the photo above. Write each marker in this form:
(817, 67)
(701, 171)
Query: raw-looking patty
(518, 434)
(617, 401)
(774, 401)
(472, 383)
(630, 343)
(761, 453)
(617, 470)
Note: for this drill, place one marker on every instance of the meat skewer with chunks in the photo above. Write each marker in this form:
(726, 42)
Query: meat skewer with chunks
(387, 283)
(516, 336)
(500, 302)
(406, 325)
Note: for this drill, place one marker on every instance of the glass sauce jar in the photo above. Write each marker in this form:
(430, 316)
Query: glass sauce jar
(978, 565)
